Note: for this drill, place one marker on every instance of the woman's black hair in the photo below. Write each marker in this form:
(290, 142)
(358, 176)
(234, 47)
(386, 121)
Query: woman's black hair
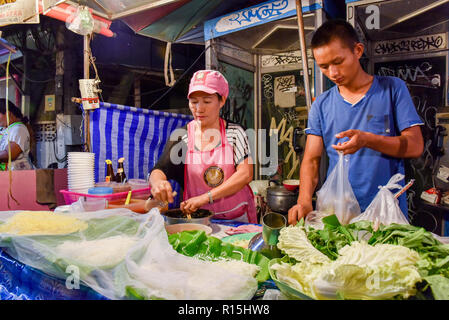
(220, 97)
(13, 109)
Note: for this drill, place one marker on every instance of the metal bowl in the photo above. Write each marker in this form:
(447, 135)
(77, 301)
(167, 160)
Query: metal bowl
(174, 216)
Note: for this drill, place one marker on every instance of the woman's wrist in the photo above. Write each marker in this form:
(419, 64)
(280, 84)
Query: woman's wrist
(207, 197)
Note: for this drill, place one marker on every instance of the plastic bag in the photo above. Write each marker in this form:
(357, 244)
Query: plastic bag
(274, 294)
(384, 209)
(81, 22)
(314, 219)
(336, 195)
(123, 255)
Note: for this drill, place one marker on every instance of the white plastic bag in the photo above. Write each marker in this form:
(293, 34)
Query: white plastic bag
(314, 219)
(81, 21)
(336, 195)
(384, 209)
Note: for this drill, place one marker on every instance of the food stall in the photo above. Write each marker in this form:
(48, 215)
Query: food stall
(134, 134)
(120, 254)
(409, 40)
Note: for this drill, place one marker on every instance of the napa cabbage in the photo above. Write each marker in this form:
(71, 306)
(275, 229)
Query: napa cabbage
(361, 271)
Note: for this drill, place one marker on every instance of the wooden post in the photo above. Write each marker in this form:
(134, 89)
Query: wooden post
(302, 41)
(137, 97)
(86, 65)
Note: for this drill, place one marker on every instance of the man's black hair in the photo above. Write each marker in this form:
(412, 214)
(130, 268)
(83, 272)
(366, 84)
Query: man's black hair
(333, 29)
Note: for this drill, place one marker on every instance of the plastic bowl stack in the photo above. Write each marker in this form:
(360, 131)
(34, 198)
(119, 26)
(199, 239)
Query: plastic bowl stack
(81, 167)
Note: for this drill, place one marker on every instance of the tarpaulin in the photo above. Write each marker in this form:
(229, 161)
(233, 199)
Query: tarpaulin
(21, 282)
(180, 21)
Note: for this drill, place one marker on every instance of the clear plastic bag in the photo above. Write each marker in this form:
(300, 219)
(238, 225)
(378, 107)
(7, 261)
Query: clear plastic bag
(81, 21)
(314, 219)
(336, 195)
(121, 255)
(384, 209)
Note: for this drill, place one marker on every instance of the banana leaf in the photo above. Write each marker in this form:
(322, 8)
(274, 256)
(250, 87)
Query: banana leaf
(197, 244)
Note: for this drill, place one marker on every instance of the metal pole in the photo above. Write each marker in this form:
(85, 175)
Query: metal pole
(86, 65)
(302, 41)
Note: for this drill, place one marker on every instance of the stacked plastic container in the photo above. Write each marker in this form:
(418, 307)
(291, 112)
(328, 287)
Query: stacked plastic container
(80, 171)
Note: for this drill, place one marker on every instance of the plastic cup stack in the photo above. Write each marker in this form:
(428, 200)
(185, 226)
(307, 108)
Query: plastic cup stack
(81, 167)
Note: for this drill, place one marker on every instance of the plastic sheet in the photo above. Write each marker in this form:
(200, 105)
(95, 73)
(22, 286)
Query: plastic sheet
(150, 267)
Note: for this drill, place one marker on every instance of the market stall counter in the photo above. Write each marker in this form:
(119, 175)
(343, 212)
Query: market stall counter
(32, 189)
(21, 281)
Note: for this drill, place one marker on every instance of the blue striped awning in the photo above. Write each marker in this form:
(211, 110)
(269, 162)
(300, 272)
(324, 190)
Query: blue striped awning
(138, 135)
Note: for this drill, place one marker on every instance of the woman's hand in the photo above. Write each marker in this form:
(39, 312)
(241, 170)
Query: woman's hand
(162, 191)
(191, 205)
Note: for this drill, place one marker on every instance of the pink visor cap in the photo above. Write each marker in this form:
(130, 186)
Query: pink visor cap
(209, 81)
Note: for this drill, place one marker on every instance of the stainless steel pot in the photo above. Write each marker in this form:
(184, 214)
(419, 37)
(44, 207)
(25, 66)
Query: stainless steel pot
(280, 199)
(174, 216)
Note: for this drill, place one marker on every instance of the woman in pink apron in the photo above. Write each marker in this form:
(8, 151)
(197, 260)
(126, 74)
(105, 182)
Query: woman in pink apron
(212, 180)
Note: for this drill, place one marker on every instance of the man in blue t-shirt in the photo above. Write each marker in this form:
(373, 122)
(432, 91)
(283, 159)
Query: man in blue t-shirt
(372, 118)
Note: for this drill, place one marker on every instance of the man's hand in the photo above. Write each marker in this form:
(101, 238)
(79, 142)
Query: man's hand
(298, 211)
(162, 191)
(357, 139)
(191, 205)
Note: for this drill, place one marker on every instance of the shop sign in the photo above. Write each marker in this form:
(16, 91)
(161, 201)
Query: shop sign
(283, 59)
(255, 15)
(424, 43)
(18, 11)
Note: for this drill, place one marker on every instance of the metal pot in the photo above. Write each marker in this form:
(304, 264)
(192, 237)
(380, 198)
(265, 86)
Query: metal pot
(174, 216)
(280, 199)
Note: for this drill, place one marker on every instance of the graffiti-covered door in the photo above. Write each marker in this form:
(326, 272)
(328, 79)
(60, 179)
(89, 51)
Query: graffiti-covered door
(284, 108)
(425, 77)
(239, 106)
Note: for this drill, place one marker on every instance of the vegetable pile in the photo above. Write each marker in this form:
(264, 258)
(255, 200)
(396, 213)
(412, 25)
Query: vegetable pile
(357, 262)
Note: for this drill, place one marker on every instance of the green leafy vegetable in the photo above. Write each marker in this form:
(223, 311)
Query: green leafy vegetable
(293, 241)
(361, 271)
(197, 244)
(432, 259)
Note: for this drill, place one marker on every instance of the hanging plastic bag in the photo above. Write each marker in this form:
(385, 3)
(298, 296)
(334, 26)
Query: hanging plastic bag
(81, 21)
(384, 209)
(336, 195)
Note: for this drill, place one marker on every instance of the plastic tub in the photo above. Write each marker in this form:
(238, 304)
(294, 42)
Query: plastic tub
(92, 204)
(100, 191)
(136, 205)
(137, 184)
(70, 196)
